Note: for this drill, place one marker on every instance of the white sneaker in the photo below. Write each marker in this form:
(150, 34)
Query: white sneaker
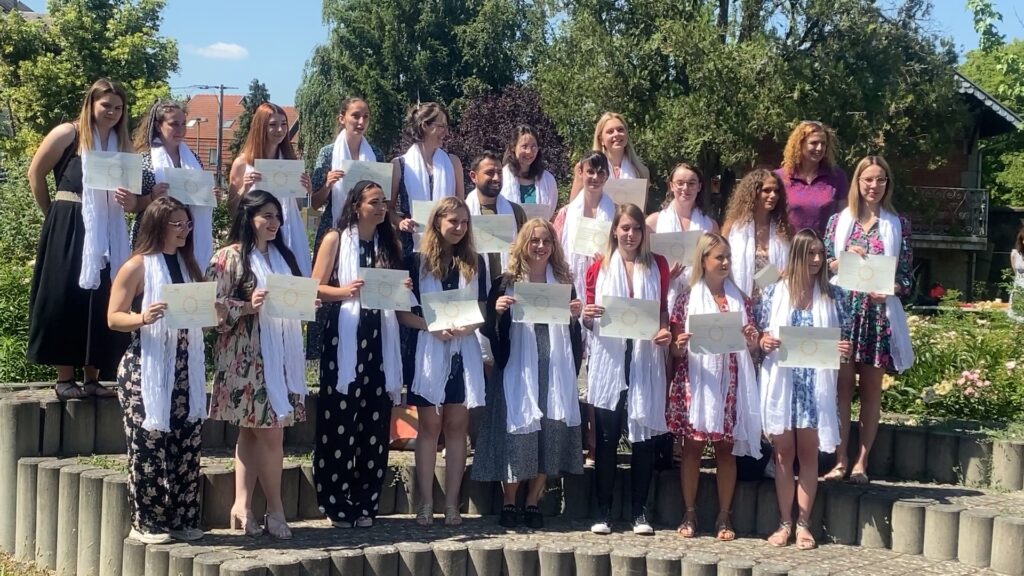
(602, 527)
(641, 526)
(150, 537)
(187, 535)
(364, 522)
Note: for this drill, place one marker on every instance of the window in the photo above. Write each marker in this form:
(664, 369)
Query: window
(213, 157)
(229, 123)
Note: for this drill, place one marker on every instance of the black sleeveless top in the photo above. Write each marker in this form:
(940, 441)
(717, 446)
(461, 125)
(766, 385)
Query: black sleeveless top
(67, 173)
(174, 268)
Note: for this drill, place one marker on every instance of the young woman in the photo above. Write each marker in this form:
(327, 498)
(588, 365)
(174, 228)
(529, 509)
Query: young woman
(260, 380)
(426, 171)
(268, 139)
(683, 211)
(532, 427)
(798, 405)
(881, 339)
(611, 138)
(626, 378)
(162, 379)
(713, 397)
(524, 180)
(361, 365)
(1017, 264)
(72, 275)
(815, 185)
(161, 140)
(757, 224)
(445, 374)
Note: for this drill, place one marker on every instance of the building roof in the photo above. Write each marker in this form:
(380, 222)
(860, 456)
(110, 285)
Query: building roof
(205, 106)
(8, 5)
(995, 118)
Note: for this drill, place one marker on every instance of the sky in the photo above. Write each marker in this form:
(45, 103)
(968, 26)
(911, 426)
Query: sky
(218, 43)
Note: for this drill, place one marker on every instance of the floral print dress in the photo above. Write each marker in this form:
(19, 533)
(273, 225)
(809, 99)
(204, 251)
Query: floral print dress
(871, 333)
(239, 389)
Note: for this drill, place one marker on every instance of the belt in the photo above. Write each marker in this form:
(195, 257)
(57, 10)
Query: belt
(68, 196)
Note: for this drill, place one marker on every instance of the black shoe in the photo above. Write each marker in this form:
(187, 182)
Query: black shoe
(533, 518)
(509, 517)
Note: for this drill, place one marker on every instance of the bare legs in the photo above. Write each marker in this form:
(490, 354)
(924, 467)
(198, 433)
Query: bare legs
(725, 463)
(454, 420)
(534, 490)
(869, 386)
(259, 455)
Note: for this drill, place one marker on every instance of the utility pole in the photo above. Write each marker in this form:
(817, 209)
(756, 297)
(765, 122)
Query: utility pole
(220, 125)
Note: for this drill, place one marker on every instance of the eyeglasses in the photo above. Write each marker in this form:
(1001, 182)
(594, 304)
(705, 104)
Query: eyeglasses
(181, 225)
(541, 242)
(686, 183)
(880, 180)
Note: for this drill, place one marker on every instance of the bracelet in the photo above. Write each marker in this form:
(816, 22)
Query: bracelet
(144, 323)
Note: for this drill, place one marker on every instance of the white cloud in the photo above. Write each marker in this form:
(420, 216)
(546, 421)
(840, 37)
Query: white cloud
(221, 51)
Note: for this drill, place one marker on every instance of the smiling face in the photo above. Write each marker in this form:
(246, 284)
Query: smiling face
(685, 186)
(172, 128)
(356, 118)
(372, 207)
(453, 225)
(277, 129)
(594, 178)
(872, 184)
(487, 178)
(435, 130)
(107, 111)
(814, 148)
(540, 246)
(717, 263)
(629, 234)
(176, 231)
(266, 222)
(526, 151)
(614, 135)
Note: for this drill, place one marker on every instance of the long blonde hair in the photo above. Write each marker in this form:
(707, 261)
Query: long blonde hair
(86, 122)
(743, 202)
(436, 253)
(792, 155)
(796, 266)
(519, 253)
(708, 241)
(641, 168)
(853, 199)
(644, 255)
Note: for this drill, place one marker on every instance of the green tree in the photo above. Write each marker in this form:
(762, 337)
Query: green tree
(396, 52)
(258, 94)
(46, 64)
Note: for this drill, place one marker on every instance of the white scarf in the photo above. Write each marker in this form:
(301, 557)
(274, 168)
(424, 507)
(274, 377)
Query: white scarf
(106, 231)
(578, 263)
(159, 353)
(742, 241)
(339, 155)
(521, 379)
(547, 189)
(709, 379)
(502, 206)
(606, 373)
(776, 381)
(348, 324)
(891, 231)
(668, 221)
(417, 178)
(284, 366)
(435, 357)
(626, 170)
(202, 216)
(293, 229)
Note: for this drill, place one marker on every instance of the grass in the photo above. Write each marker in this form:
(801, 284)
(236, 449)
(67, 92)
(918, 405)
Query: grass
(10, 567)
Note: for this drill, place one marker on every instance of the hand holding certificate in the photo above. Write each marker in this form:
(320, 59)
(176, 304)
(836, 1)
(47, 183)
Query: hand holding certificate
(493, 233)
(290, 297)
(282, 178)
(630, 318)
(451, 309)
(676, 247)
(809, 347)
(384, 289)
(190, 187)
(189, 305)
(540, 303)
(590, 236)
(377, 172)
(870, 273)
(627, 191)
(717, 333)
(112, 170)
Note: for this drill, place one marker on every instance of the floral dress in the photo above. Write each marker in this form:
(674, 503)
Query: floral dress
(239, 390)
(679, 394)
(870, 333)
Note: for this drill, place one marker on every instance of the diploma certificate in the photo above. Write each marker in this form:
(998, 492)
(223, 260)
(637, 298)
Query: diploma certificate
(417, 238)
(808, 347)
(421, 210)
(630, 318)
(192, 187)
(676, 247)
(189, 305)
(872, 273)
(627, 191)
(112, 170)
(717, 333)
(767, 276)
(377, 172)
(282, 178)
(493, 233)
(540, 303)
(451, 309)
(536, 211)
(384, 289)
(590, 236)
(290, 297)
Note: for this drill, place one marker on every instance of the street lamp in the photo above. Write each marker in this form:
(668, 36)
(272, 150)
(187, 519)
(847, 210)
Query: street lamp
(197, 123)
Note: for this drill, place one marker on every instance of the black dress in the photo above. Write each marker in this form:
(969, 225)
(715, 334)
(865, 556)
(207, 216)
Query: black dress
(67, 323)
(352, 430)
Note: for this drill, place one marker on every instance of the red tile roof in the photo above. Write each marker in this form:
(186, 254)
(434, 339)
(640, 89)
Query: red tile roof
(202, 136)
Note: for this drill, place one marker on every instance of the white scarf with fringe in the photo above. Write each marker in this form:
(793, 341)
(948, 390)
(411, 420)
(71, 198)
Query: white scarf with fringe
(202, 216)
(106, 231)
(339, 155)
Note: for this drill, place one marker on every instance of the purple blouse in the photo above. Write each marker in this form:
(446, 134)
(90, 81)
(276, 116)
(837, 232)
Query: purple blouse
(812, 203)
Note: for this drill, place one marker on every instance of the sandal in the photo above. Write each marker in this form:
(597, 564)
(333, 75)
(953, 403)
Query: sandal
(804, 538)
(836, 474)
(780, 538)
(94, 388)
(859, 477)
(452, 516)
(724, 531)
(425, 515)
(688, 529)
(69, 390)
(277, 526)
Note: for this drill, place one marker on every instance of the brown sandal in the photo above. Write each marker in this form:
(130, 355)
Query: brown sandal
(69, 390)
(804, 538)
(724, 531)
(780, 538)
(688, 529)
(94, 388)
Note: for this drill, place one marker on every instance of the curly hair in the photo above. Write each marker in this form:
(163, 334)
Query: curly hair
(793, 153)
(419, 117)
(743, 202)
(518, 254)
(436, 253)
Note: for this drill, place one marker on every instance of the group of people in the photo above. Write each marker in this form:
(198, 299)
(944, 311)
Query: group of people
(96, 303)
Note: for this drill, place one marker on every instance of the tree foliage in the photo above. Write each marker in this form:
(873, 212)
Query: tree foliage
(258, 94)
(46, 64)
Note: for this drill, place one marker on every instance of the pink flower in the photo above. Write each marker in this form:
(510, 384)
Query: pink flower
(969, 391)
(961, 381)
(965, 374)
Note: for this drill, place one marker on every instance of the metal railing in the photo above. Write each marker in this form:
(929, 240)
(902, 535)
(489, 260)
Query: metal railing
(938, 211)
